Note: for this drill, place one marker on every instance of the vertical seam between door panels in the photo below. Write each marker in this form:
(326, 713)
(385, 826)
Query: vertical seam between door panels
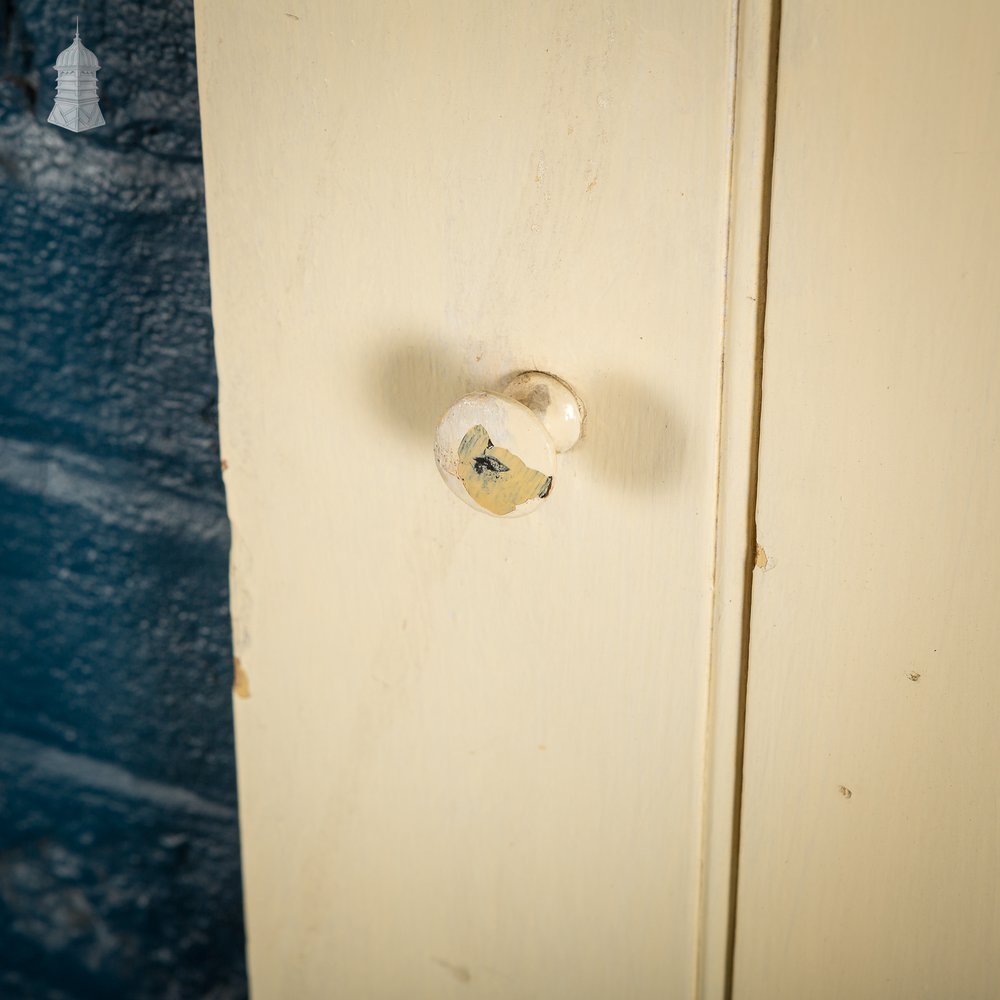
(734, 64)
(774, 42)
(749, 361)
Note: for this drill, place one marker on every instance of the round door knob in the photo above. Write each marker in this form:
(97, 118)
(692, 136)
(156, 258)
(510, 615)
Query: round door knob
(497, 450)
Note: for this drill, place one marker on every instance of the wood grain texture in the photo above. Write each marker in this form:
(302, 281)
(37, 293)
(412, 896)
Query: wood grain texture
(472, 760)
(870, 853)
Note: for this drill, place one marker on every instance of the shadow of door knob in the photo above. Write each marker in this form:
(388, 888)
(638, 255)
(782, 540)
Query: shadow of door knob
(497, 450)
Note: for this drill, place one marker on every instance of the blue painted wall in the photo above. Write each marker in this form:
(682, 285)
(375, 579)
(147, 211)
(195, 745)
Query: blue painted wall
(119, 850)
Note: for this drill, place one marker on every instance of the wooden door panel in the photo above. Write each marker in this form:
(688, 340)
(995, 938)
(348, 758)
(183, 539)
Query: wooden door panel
(869, 858)
(471, 752)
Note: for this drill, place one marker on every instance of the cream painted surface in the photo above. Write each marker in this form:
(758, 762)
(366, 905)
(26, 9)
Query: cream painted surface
(870, 858)
(745, 267)
(472, 760)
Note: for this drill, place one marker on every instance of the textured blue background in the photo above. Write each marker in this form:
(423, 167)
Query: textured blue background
(119, 850)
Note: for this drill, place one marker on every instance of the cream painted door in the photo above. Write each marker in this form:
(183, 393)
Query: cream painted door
(500, 759)
(870, 848)
(476, 757)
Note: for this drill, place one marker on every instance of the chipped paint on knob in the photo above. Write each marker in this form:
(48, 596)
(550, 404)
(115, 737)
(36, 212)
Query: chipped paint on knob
(495, 454)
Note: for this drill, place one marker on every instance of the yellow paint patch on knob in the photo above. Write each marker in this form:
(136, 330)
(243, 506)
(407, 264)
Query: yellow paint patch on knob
(494, 477)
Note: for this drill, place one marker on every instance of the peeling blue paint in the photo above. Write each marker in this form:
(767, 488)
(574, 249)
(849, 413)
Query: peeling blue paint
(119, 850)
